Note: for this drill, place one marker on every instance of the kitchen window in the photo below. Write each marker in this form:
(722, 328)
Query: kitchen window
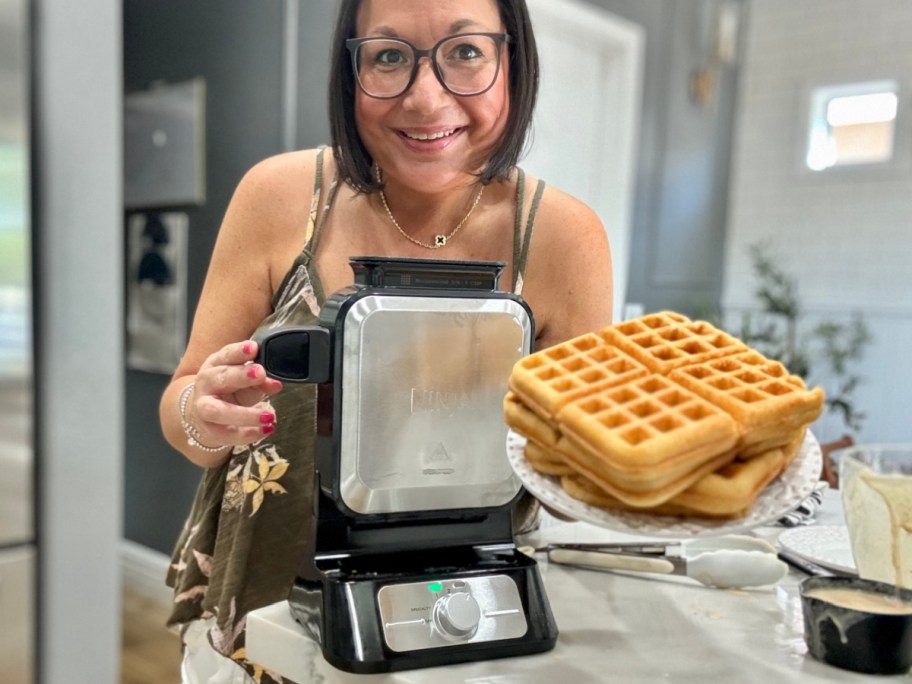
(852, 124)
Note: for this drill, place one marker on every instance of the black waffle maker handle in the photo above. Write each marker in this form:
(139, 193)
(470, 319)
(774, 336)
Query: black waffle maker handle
(297, 354)
(399, 273)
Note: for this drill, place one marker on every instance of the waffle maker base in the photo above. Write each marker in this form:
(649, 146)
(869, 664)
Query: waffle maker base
(385, 614)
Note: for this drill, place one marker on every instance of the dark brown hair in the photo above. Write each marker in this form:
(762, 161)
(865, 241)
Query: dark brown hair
(353, 159)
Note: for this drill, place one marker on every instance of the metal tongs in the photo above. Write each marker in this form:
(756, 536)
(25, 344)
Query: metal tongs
(726, 561)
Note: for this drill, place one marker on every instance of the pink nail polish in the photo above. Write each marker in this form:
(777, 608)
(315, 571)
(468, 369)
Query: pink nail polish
(267, 418)
(252, 372)
(268, 429)
(247, 348)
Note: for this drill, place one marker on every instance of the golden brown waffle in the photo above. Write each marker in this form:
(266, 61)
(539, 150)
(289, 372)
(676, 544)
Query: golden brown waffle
(656, 434)
(583, 490)
(727, 492)
(649, 430)
(527, 423)
(594, 471)
(550, 379)
(660, 413)
(759, 393)
(782, 439)
(733, 488)
(791, 449)
(545, 460)
(667, 340)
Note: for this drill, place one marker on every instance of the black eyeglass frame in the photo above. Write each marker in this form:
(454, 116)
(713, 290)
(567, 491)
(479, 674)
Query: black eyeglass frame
(431, 53)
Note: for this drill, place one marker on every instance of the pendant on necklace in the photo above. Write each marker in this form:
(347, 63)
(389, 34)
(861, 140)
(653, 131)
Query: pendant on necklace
(440, 241)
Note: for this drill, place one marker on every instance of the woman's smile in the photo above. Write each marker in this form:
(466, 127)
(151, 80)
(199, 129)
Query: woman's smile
(433, 140)
(417, 135)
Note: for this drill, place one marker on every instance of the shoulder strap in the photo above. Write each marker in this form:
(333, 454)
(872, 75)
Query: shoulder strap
(523, 238)
(317, 217)
(316, 220)
(314, 200)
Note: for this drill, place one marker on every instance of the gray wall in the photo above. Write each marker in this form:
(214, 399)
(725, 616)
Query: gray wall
(842, 233)
(677, 246)
(238, 47)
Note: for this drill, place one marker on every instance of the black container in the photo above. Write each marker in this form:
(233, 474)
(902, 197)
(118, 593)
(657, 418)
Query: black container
(853, 639)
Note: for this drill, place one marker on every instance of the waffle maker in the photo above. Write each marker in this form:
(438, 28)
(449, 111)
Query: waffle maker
(411, 560)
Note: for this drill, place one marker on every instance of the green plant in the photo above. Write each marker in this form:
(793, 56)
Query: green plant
(776, 331)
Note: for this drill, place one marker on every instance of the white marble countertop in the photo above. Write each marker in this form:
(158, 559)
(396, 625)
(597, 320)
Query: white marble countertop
(613, 626)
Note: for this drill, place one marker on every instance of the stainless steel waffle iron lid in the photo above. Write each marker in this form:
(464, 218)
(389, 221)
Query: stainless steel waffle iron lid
(419, 356)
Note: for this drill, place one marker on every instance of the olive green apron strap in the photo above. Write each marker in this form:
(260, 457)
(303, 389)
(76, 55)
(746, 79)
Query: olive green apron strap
(517, 223)
(519, 265)
(322, 214)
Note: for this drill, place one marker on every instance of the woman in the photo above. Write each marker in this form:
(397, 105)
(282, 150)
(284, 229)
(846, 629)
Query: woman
(426, 134)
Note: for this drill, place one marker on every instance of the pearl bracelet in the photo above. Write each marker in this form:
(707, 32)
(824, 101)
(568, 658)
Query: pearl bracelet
(193, 435)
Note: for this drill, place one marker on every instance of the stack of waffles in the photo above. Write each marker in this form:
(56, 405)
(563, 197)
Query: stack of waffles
(662, 414)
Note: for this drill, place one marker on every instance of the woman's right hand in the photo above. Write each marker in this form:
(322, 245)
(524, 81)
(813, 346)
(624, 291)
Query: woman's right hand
(227, 405)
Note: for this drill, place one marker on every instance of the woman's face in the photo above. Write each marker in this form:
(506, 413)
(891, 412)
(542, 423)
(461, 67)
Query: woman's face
(428, 138)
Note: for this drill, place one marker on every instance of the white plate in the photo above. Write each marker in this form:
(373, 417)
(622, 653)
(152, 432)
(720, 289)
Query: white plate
(825, 545)
(780, 497)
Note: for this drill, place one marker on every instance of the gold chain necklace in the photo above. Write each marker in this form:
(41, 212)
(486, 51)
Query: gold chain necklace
(439, 240)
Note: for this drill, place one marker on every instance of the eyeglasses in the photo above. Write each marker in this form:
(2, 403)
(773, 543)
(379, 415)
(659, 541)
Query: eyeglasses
(465, 64)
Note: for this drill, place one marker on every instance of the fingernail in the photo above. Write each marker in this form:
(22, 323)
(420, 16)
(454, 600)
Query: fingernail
(252, 372)
(267, 417)
(247, 348)
(268, 429)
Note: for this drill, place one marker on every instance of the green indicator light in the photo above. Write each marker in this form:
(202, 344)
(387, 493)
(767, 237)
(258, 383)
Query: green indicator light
(435, 587)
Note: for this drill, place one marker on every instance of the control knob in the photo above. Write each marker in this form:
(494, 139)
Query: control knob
(456, 615)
